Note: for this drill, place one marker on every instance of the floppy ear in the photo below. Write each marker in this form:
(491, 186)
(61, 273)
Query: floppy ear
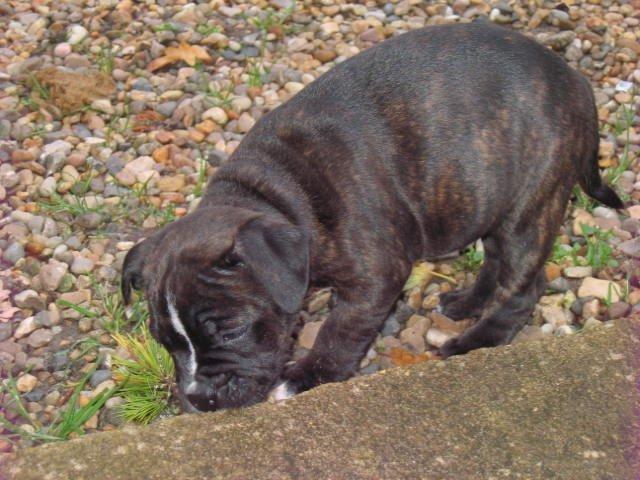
(133, 265)
(278, 254)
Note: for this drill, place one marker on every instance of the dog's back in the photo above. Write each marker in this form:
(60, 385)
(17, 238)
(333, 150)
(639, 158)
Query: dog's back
(442, 129)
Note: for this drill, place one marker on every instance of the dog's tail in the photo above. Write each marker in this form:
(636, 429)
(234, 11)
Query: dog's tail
(591, 182)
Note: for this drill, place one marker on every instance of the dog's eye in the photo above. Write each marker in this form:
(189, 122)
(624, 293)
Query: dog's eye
(228, 263)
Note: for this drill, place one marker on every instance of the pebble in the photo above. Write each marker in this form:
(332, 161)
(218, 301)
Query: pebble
(578, 272)
(26, 383)
(13, 253)
(319, 301)
(82, 265)
(563, 331)
(51, 274)
(171, 183)
(414, 338)
(591, 308)
(76, 33)
(62, 49)
(89, 220)
(308, 334)
(25, 327)
(245, 122)
(445, 324)
(602, 289)
(555, 315)
(216, 114)
(103, 105)
(438, 338)
(631, 247)
(99, 376)
(40, 338)
(5, 331)
(618, 310)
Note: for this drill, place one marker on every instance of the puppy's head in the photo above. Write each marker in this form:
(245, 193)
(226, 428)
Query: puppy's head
(224, 285)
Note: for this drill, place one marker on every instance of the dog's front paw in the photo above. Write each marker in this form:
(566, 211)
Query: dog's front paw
(282, 392)
(483, 334)
(300, 377)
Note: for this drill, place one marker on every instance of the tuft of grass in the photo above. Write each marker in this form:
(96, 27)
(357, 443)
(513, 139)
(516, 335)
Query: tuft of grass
(105, 60)
(561, 252)
(167, 27)
(257, 76)
(70, 421)
(470, 260)
(145, 379)
(202, 177)
(599, 252)
(218, 97)
(38, 88)
(113, 314)
(206, 30)
(118, 125)
(75, 205)
(270, 19)
(623, 124)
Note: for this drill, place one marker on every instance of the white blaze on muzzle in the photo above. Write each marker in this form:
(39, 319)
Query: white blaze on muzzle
(192, 365)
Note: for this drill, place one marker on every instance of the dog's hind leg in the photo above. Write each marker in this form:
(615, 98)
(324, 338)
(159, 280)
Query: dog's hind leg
(470, 302)
(524, 241)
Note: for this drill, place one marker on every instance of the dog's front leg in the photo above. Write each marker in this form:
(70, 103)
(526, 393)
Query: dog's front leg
(342, 341)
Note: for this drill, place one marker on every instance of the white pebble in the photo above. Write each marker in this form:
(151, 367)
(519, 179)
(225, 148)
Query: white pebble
(76, 33)
(62, 50)
(438, 338)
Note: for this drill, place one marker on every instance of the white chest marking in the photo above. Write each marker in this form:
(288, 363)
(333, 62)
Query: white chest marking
(192, 365)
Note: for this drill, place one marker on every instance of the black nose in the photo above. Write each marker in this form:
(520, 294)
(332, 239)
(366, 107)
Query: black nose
(201, 393)
(202, 402)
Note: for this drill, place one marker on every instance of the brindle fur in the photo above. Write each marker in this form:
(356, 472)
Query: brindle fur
(410, 150)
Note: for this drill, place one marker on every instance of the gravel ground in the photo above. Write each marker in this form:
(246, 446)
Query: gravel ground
(112, 115)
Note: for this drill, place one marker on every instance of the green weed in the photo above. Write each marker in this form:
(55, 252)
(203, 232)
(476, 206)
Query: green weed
(599, 252)
(145, 378)
(206, 30)
(623, 124)
(70, 421)
(257, 76)
(38, 88)
(470, 260)
(166, 27)
(202, 177)
(218, 97)
(75, 205)
(270, 19)
(105, 60)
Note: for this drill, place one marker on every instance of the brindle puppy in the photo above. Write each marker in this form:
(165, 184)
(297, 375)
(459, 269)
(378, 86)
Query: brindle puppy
(411, 149)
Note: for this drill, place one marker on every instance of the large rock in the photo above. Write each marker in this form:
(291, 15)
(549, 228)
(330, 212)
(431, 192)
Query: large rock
(561, 409)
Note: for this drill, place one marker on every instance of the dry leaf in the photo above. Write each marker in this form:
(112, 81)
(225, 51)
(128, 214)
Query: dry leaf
(146, 121)
(402, 358)
(420, 275)
(184, 52)
(69, 91)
